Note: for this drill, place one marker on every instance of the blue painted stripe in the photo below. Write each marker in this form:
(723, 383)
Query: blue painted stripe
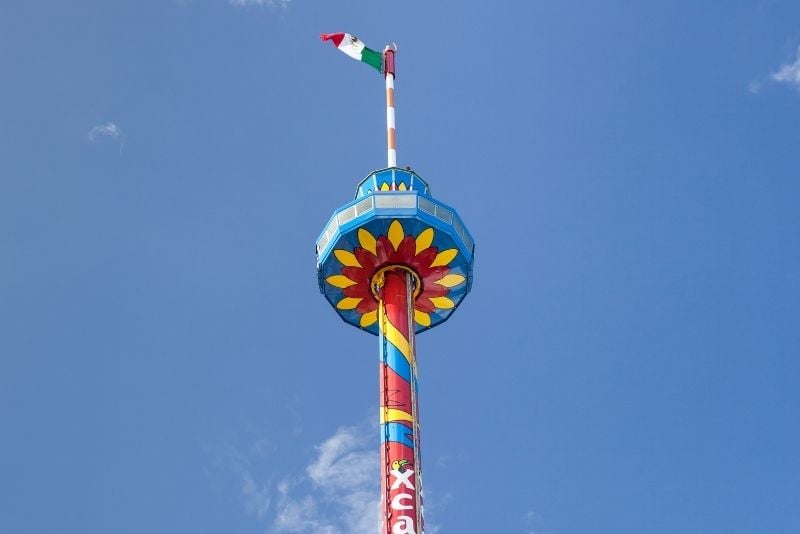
(398, 433)
(396, 361)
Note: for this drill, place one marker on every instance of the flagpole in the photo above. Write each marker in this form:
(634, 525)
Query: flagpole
(388, 72)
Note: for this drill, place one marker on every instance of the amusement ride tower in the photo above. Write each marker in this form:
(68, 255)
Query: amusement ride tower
(394, 262)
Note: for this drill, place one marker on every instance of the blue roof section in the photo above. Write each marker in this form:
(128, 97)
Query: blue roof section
(392, 179)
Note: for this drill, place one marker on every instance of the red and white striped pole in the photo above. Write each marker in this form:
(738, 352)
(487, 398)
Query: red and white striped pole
(388, 72)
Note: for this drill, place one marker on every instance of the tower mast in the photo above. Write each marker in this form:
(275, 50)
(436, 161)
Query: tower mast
(388, 74)
(395, 262)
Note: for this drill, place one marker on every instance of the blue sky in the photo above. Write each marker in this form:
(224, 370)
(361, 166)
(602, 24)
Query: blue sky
(626, 363)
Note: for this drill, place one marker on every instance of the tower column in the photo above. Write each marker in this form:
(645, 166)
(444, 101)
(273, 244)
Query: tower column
(401, 489)
(393, 262)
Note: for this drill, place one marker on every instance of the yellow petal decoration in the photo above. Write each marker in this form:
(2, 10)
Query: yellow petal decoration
(424, 240)
(384, 186)
(442, 302)
(340, 281)
(402, 187)
(369, 318)
(450, 280)
(445, 257)
(349, 303)
(367, 241)
(422, 318)
(346, 257)
(395, 234)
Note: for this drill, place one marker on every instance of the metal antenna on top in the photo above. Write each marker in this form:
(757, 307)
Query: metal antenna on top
(388, 72)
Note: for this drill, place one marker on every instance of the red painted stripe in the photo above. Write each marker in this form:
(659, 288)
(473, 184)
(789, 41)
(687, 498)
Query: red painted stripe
(398, 390)
(394, 296)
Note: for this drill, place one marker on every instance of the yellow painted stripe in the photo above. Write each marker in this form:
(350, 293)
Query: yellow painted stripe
(424, 240)
(346, 257)
(367, 241)
(395, 337)
(340, 281)
(388, 415)
(444, 257)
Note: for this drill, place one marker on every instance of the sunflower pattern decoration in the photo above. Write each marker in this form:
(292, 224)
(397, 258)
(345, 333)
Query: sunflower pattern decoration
(433, 259)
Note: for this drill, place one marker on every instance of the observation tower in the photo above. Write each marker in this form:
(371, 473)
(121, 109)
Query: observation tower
(394, 262)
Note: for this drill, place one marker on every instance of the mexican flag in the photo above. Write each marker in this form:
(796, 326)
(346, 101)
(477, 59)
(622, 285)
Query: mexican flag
(353, 47)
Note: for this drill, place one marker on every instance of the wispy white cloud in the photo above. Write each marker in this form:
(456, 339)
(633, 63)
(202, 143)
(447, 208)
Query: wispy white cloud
(300, 514)
(342, 497)
(336, 491)
(340, 463)
(789, 72)
(108, 129)
(435, 503)
(532, 522)
(270, 3)
(256, 495)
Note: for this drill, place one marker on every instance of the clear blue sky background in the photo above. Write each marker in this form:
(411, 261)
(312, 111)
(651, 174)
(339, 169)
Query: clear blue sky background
(627, 362)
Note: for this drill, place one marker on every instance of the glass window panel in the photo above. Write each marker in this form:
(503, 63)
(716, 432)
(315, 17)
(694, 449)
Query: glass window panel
(406, 201)
(444, 214)
(347, 215)
(363, 206)
(426, 205)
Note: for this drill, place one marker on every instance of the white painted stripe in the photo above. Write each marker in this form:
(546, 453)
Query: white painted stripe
(391, 132)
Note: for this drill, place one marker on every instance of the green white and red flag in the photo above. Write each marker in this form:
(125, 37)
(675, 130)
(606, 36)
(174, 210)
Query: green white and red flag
(353, 47)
